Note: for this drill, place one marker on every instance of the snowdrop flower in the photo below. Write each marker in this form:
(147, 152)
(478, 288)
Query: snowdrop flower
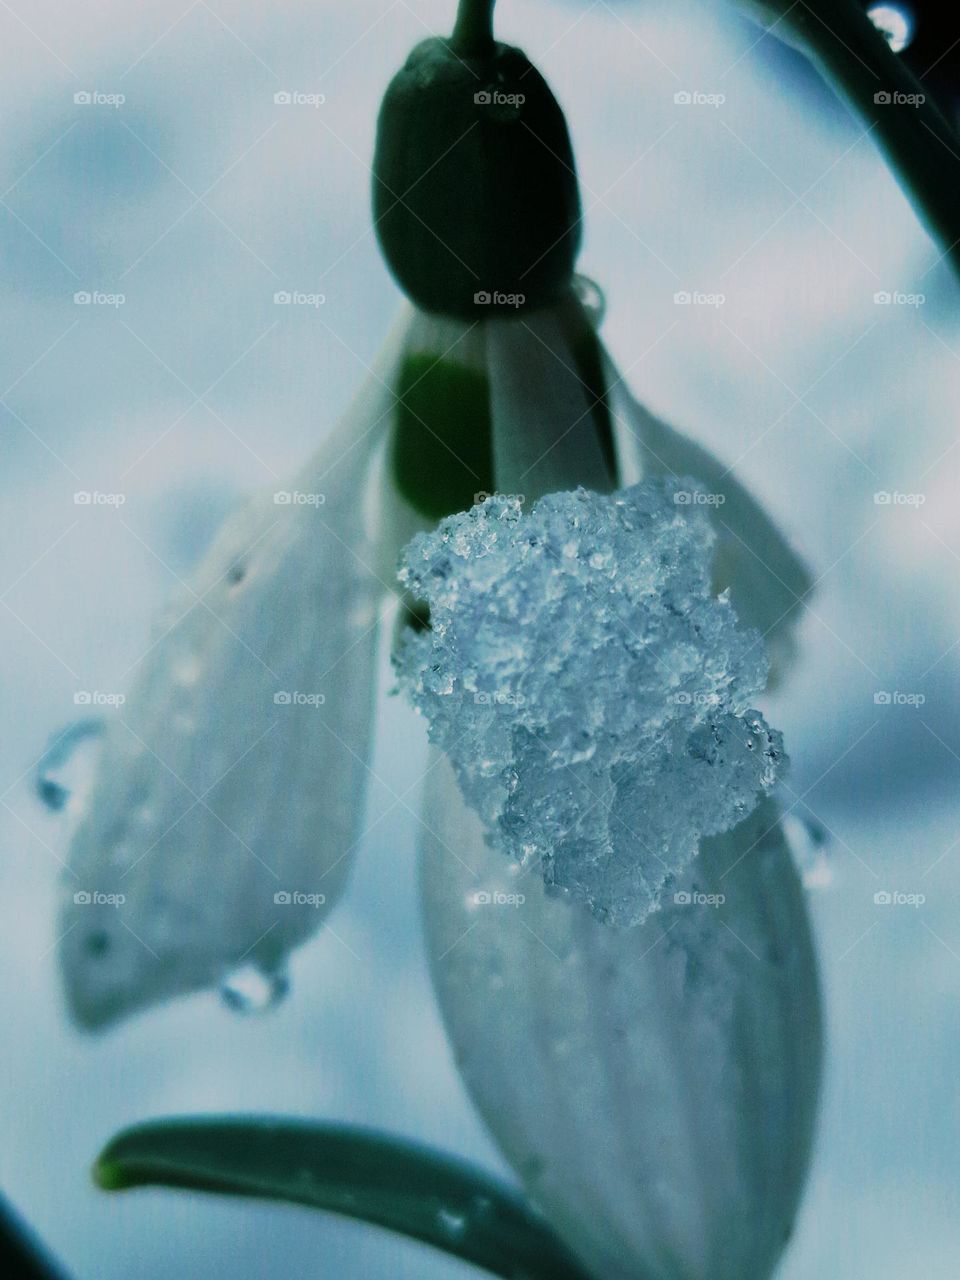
(654, 1085)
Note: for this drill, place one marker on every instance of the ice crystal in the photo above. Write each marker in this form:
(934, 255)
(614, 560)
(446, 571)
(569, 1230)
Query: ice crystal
(591, 691)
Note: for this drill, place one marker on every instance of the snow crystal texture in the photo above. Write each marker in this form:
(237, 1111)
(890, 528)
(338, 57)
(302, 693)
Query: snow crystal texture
(591, 691)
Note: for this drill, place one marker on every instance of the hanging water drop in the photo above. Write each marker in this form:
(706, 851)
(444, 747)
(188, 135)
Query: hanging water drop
(590, 296)
(249, 989)
(64, 771)
(481, 1208)
(895, 24)
(808, 841)
(452, 1224)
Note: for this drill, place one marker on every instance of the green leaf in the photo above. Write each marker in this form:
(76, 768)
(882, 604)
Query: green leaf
(363, 1174)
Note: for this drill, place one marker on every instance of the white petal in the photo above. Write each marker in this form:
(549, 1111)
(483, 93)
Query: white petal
(654, 1087)
(544, 437)
(236, 769)
(767, 579)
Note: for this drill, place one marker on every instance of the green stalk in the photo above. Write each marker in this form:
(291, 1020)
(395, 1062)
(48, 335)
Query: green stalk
(473, 31)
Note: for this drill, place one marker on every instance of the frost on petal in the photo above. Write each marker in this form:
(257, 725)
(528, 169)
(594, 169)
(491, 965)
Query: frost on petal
(593, 695)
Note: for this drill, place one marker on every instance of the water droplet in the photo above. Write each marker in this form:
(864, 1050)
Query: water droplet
(591, 298)
(808, 841)
(65, 772)
(188, 670)
(143, 815)
(451, 1223)
(895, 24)
(250, 989)
(818, 874)
(97, 944)
(481, 1207)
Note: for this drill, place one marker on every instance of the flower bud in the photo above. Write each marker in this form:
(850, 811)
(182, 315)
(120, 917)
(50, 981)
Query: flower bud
(475, 194)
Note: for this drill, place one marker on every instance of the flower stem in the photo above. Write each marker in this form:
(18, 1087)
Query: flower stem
(919, 142)
(473, 30)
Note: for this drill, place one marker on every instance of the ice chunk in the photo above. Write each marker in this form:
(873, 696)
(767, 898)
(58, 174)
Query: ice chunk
(592, 693)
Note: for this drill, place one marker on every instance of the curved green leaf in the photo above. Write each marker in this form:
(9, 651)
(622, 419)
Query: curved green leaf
(372, 1176)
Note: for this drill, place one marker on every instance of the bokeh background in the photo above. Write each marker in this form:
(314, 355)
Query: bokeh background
(198, 198)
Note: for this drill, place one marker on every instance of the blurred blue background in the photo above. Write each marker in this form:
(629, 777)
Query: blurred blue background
(197, 198)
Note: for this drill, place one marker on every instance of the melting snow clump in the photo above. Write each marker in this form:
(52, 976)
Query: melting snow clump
(592, 692)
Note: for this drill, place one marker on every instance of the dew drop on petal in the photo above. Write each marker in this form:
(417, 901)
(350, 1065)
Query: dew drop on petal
(65, 770)
(97, 944)
(249, 989)
(590, 296)
(188, 671)
(481, 1207)
(809, 843)
(818, 873)
(451, 1223)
